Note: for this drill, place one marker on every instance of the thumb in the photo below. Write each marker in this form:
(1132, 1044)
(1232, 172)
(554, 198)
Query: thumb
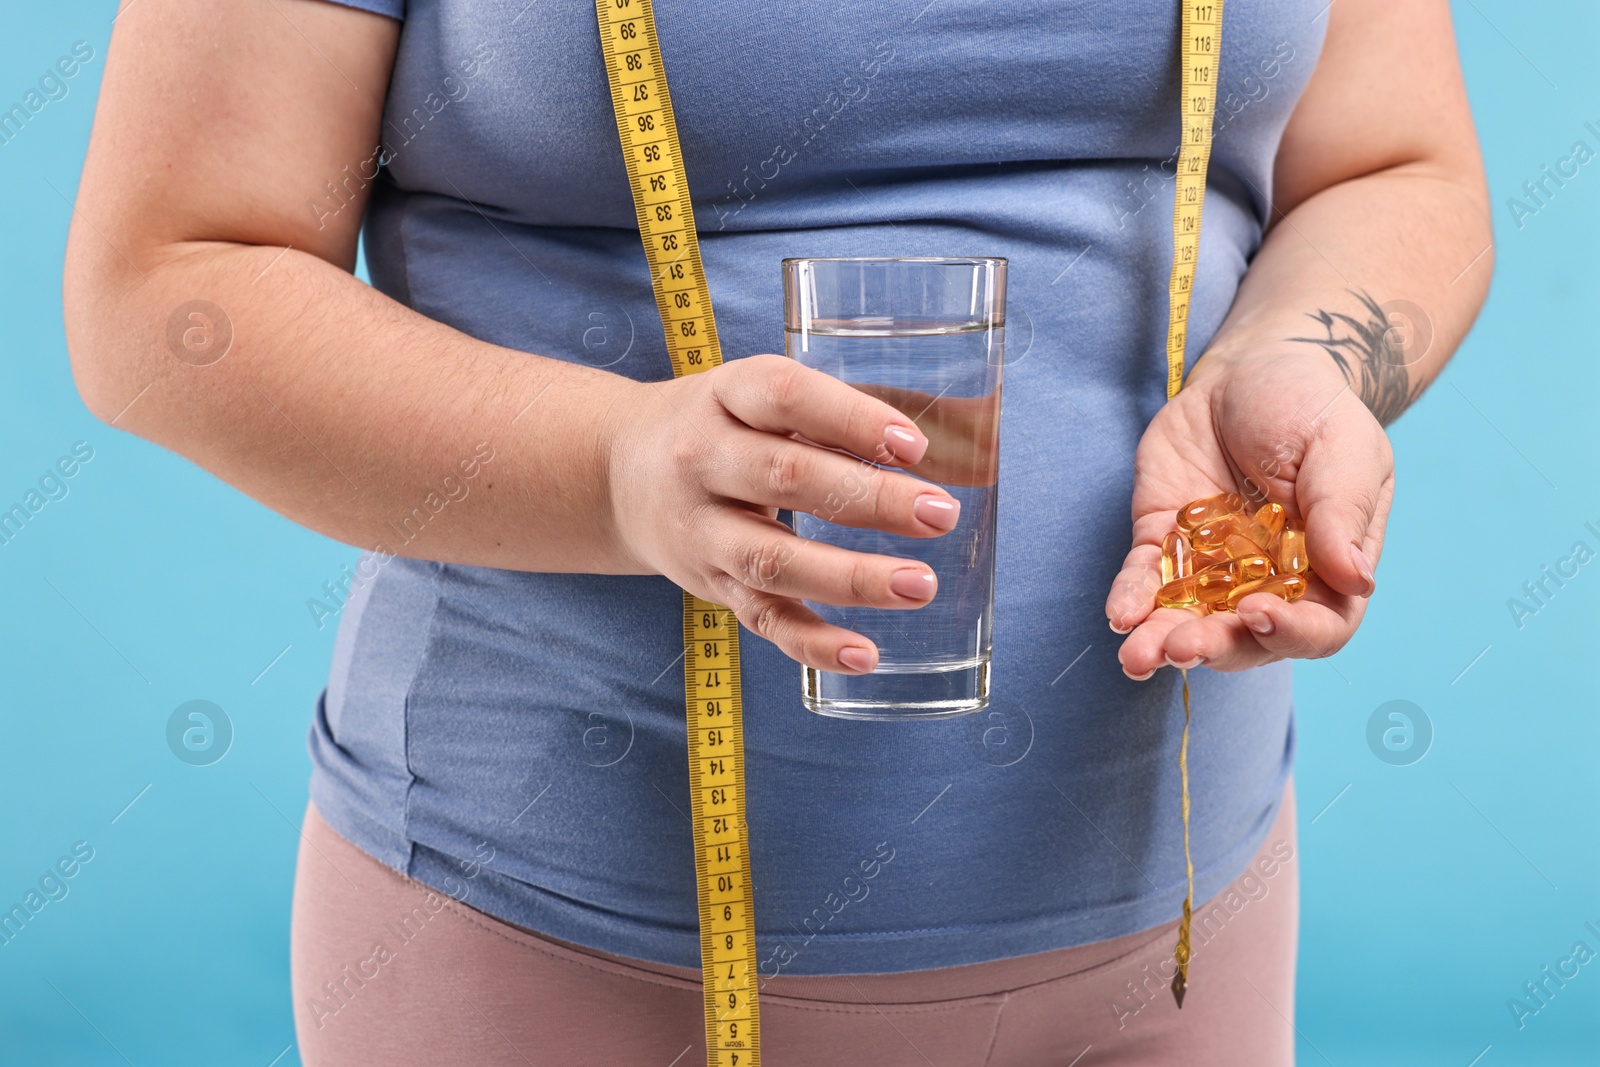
(1343, 488)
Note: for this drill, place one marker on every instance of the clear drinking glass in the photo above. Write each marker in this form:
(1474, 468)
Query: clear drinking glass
(926, 335)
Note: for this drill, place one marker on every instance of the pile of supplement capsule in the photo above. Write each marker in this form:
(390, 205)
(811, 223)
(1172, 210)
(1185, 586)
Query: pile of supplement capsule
(1222, 551)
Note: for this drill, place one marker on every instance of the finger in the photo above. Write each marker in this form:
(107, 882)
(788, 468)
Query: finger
(1133, 591)
(1343, 489)
(801, 634)
(1145, 649)
(1264, 628)
(768, 557)
(962, 442)
(1304, 629)
(778, 472)
(778, 395)
(1220, 641)
(908, 401)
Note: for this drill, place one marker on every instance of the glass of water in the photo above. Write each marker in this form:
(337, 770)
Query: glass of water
(926, 335)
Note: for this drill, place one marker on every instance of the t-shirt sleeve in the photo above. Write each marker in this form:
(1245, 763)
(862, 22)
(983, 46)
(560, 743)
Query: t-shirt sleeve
(395, 9)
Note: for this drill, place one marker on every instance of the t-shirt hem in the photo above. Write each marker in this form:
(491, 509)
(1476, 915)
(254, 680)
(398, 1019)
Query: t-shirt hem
(395, 9)
(818, 955)
(378, 840)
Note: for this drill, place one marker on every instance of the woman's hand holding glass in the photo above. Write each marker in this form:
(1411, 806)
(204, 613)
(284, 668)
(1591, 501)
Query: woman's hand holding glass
(701, 465)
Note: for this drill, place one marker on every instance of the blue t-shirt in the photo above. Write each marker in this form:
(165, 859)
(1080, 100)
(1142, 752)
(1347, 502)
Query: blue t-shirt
(518, 741)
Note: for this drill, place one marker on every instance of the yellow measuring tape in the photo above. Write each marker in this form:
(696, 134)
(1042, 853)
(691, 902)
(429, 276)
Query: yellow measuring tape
(710, 632)
(649, 136)
(1201, 50)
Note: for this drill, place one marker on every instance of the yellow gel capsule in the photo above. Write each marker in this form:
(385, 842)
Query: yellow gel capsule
(1287, 586)
(1238, 546)
(1290, 553)
(1206, 590)
(1212, 536)
(1210, 586)
(1199, 512)
(1268, 524)
(1214, 584)
(1177, 557)
(1252, 568)
(1178, 593)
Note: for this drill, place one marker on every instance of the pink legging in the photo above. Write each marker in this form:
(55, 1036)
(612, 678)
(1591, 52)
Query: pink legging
(388, 972)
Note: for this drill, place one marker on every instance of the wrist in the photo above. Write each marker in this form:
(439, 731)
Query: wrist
(621, 406)
(559, 498)
(1380, 351)
(1235, 356)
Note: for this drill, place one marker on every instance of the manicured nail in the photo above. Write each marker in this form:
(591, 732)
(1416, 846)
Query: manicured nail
(907, 444)
(858, 659)
(913, 584)
(1260, 622)
(1138, 677)
(1363, 567)
(1117, 629)
(940, 512)
(1187, 666)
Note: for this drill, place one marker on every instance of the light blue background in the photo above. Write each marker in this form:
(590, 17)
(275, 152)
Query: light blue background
(1431, 892)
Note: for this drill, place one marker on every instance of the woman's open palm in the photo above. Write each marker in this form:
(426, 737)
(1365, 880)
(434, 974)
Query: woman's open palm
(1271, 426)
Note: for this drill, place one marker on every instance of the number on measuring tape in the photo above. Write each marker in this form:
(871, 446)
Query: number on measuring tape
(1201, 48)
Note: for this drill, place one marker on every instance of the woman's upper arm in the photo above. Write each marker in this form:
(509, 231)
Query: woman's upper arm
(1387, 93)
(222, 120)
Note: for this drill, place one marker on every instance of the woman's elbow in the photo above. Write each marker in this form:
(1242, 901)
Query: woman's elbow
(104, 323)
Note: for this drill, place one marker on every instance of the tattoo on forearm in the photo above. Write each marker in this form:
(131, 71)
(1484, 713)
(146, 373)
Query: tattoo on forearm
(1369, 355)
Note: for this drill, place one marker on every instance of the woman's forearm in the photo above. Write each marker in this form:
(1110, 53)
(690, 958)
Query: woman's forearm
(344, 410)
(1378, 248)
(1381, 275)
(210, 310)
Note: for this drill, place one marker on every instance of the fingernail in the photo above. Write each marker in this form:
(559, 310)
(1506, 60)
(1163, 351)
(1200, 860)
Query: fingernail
(906, 443)
(940, 512)
(855, 658)
(914, 584)
(1138, 677)
(1187, 666)
(1117, 629)
(1363, 567)
(1260, 622)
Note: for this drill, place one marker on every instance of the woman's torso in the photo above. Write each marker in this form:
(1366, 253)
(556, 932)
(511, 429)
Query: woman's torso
(517, 740)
